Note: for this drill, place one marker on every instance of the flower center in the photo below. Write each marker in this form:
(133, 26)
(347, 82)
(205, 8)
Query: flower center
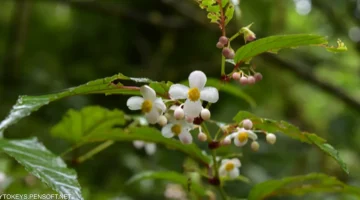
(243, 136)
(146, 106)
(229, 166)
(194, 94)
(176, 129)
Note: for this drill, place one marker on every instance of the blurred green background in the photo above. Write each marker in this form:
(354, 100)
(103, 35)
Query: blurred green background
(50, 45)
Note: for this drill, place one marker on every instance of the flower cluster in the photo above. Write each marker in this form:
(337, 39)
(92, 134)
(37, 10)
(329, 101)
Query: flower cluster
(186, 105)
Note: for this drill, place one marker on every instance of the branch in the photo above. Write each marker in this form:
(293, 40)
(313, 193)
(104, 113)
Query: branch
(303, 73)
(15, 42)
(118, 11)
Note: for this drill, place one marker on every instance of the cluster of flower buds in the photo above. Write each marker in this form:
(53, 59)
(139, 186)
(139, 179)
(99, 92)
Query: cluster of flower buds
(184, 111)
(247, 79)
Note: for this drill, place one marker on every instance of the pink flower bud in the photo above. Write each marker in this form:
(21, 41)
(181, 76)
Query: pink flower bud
(223, 40)
(244, 80)
(251, 80)
(258, 76)
(236, 76)
(247, 124)
(219, 45)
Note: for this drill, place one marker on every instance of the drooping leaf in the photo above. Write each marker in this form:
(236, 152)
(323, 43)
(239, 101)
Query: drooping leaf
(301, 185)
(272, 43)
(89, 120)
(40, 162)
(232, 90)
(25, 105)
(150, 135)
(172, 177)
(292, 131)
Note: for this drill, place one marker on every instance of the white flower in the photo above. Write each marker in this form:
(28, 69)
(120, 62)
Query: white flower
(150, 105)
(193, 95)
(230, 168)
(150, 148)
(2, 178)
(179, 128)
(242, 135)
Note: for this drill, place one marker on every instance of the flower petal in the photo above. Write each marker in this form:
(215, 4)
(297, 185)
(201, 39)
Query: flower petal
(192, 108)
(150, 148)
(148, 93)
(134, 103)
(238, 143)
(234, 173)
(236, 162)
(159, 104)
(166, 131)
(185, 137)
(178, 91)
(209, 94)
(138, 144)
(222, 171)
(252, 135)
(152, 116)
(224, 161)
(197, 79)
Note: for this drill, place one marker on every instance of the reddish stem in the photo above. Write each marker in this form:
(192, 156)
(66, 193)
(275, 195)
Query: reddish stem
(222, 18)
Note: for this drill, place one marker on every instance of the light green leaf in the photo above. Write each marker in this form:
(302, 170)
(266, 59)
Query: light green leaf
(161, 88)
(230, 89)
(172, 177)
(292, 131)
(337, 49)
(90, 120)
(272, 43)
(229, 13)
(151, 135)
(40, 162)
(301, 185)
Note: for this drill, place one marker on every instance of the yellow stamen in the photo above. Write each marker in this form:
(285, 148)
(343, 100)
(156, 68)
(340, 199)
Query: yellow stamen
(229, 166)
(176, 129)
(146, 106)
(243, 137)
(194, 94)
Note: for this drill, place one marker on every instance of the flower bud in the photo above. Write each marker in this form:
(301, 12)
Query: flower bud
(248, 35)
(228, 53)
(205, 114)
(251, 80)
(202, 137)
(255, 146)
(226, 141)
(223, 40)
(271, 138)
(189, 119)
(244, 80)
(179, 113)
(219, 45)
(236, 76)
(162, 120)
(258, 76)
(247, 124)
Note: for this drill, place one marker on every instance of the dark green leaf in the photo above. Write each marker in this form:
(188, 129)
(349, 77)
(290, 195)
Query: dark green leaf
(90, 120)
(272, 43)
(294, 132)
(170, 176)
(40, 162)
(25, 105)
(300, 185)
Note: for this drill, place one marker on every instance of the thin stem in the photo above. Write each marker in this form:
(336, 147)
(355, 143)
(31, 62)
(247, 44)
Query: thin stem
(95, 151)
(213, 154)
(222, 193)
(223, 66)
(234, 36)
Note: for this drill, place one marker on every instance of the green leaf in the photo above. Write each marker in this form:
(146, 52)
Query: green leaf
(88, 121)
(150, 135)
(229, 13)
(301, 185)
(292, 131)
(272, 43)
(172, 177)
(231, 89)
(337, 49)
(161, 88)
(40, 162)
(25, 105)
